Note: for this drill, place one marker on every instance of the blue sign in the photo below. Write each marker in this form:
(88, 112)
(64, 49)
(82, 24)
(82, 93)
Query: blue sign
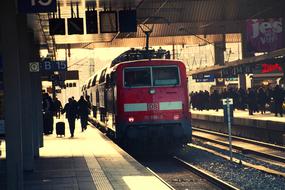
(36, 6)
(206, 78)
(232, 79)
(50, 66)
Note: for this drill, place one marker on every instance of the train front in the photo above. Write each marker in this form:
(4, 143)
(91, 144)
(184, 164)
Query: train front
(153, 103)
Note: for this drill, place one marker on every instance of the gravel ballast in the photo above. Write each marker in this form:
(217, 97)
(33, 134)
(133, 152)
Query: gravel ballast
(236, 174)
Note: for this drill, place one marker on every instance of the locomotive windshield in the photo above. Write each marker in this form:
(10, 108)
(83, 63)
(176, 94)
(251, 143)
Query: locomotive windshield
(165, 76)
(151, 76)
(135, 77)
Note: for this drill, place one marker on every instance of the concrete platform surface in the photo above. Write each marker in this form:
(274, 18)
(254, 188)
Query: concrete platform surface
(87, 161)
(243, 114)
(270, 129)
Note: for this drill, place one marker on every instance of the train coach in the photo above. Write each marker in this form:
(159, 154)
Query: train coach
(143, 100)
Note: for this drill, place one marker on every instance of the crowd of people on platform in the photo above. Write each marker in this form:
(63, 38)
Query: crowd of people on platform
(254, 100)
(73, 110)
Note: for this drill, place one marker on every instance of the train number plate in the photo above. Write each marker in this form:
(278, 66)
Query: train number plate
(152, 106)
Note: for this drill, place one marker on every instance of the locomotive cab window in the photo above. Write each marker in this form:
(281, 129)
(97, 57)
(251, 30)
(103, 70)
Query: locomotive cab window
(151, 76)
(165, 76)
(137, 77)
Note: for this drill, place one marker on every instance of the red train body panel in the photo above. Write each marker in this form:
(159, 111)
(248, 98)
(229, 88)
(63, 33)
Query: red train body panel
(129, 96)
(146, 101)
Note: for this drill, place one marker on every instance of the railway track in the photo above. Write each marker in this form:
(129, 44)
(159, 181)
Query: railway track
(246, 146)
(178, 174)
(212, 179)
(246, 161)
(181, 175)
(239, 173)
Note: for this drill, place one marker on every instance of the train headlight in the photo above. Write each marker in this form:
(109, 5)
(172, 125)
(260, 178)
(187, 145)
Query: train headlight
(131, 119)
(151, 91)
(176, 117)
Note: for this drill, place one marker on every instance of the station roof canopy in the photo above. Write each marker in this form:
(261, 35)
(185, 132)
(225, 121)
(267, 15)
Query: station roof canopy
(269, 58)
(172, 22)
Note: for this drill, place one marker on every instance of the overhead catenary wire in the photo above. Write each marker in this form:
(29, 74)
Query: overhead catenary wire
(77, 62)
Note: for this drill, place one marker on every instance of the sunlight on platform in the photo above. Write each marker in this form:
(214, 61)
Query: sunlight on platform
(2, 149)
(83, 143)
(143, 182)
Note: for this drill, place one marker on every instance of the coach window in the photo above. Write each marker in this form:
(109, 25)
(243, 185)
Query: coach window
(108, 81)
(137, 77)
(94, 81)
(165, 76)
(113, 78)
(89, 83)
(102, 77)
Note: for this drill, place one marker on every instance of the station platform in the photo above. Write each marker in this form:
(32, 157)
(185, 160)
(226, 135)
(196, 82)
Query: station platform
(86, 162)
(243, 115)
(264, 127)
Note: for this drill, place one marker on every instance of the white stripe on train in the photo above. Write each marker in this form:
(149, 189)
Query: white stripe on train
(146, 106)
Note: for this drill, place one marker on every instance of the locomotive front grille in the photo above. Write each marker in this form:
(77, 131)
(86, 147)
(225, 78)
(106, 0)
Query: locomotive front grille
(146, 131)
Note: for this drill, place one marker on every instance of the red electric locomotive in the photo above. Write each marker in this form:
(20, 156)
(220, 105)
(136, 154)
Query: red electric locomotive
(145, 100)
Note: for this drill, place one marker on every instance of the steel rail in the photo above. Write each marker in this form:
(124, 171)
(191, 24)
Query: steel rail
(276, 147)
(244, 150)
(212, 179)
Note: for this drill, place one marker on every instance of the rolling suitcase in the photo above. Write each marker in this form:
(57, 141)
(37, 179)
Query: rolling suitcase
(60, 128)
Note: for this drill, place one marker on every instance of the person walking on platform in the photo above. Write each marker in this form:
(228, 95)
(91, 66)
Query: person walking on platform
(70, 109)
(57, 107)
(215, 100)
(278, 96)
(48, 109)
(251, 101)
(261, 99)
(83, 111)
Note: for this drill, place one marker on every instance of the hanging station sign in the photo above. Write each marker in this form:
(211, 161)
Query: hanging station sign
(233, 72)
(48, 66)
(36, 6)
(204, 78)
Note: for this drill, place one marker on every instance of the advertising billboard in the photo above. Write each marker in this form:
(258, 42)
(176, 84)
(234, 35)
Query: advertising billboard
(267, 68)
(264, 35)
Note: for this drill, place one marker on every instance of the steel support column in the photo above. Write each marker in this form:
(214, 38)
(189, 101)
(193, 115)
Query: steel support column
(13, 117)
(219, 48)
(36, 97)
(27, 115)
(245, 54)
